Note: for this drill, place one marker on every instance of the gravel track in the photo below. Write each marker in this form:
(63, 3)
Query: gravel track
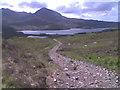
(79, 74)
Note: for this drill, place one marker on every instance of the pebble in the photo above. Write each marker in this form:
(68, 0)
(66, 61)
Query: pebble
(98, 57)
(72, 86)
(54, 86)
(77, 78)
(24, 82)
(96, 86)
(69, 44)
(91, 83)
(80, 82)
(61, 81)
(117, 77)
(67, 83)
(57, 73)
(16, 78)
(107, 78)
(94, 76)
(55, 80)
(85, 72)
(32, 84)
(96, 82)
(94, 42)
(104, 68)
(74, 68)
(85, 77)
(67, 74)
(117, 81)
(91, 73)
(10, 67)
(99, 74)
(71, 61)
(34, 67)
(73, 77)
(65, 68)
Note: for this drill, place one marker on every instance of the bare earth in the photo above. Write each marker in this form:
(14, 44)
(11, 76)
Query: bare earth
(79, 74)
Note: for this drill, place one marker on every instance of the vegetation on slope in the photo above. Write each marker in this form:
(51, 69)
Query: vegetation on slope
(9, 32)
(96, 48)
(26, 62)
(48, 19)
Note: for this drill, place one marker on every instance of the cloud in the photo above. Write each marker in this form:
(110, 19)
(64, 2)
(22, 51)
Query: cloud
(99, 6)
(101, 0)
(87, 7)
(72, 8)
(92, 10)
(33, 4)
(6, 4)
(60, 8)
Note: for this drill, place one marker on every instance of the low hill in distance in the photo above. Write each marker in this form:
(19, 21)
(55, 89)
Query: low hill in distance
(9, 32)
(48, 19)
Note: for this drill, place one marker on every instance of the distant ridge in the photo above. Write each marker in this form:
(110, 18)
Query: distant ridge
(48, 14)
(48, 19)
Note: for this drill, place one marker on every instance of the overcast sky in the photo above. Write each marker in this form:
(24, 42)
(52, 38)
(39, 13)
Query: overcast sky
(106, 10)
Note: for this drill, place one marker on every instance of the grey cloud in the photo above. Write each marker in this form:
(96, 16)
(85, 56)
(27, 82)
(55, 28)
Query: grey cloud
(33, 4)
(60, 8)
(6, 4)
(99, 6)
(75, 8)
(93, 10)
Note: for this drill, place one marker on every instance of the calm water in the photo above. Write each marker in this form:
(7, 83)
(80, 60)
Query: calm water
(60, 32)
(38, 37)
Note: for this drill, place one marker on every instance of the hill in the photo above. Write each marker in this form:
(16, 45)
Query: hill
(9, 32)
(48, 19)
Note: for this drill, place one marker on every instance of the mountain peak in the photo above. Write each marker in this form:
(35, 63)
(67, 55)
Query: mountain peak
(6, 10)
(44, 10)
(49, 14)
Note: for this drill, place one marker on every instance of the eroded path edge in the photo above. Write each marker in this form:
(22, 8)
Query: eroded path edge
(78, 74)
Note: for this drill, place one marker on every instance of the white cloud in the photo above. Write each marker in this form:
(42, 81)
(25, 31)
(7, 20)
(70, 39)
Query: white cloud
(72, 5)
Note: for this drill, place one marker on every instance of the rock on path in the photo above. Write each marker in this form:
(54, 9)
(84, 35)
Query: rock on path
(78, 74)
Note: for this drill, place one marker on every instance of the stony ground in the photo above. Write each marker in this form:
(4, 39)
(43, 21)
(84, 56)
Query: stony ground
(79, 74)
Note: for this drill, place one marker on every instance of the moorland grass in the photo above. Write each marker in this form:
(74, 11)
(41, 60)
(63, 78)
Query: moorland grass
(25, 58)
(95, 48)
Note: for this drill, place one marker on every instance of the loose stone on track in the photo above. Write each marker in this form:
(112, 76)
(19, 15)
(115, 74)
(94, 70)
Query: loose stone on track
(78, 74)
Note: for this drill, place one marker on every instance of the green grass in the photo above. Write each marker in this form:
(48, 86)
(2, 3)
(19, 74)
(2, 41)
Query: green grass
(95, 48)
(21, 55)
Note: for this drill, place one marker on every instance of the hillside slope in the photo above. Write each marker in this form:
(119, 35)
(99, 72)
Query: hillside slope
(47, 19)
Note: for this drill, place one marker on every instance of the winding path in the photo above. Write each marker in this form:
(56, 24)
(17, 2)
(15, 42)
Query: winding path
(78, 74)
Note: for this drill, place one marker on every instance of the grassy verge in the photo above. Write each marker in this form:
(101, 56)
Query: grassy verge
(96, 48)
(26, 62)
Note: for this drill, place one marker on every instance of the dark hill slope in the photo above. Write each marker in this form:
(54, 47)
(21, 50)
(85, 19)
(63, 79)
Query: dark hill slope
(47, 14)
(9, 32)
(9, 16)
(48, 19)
